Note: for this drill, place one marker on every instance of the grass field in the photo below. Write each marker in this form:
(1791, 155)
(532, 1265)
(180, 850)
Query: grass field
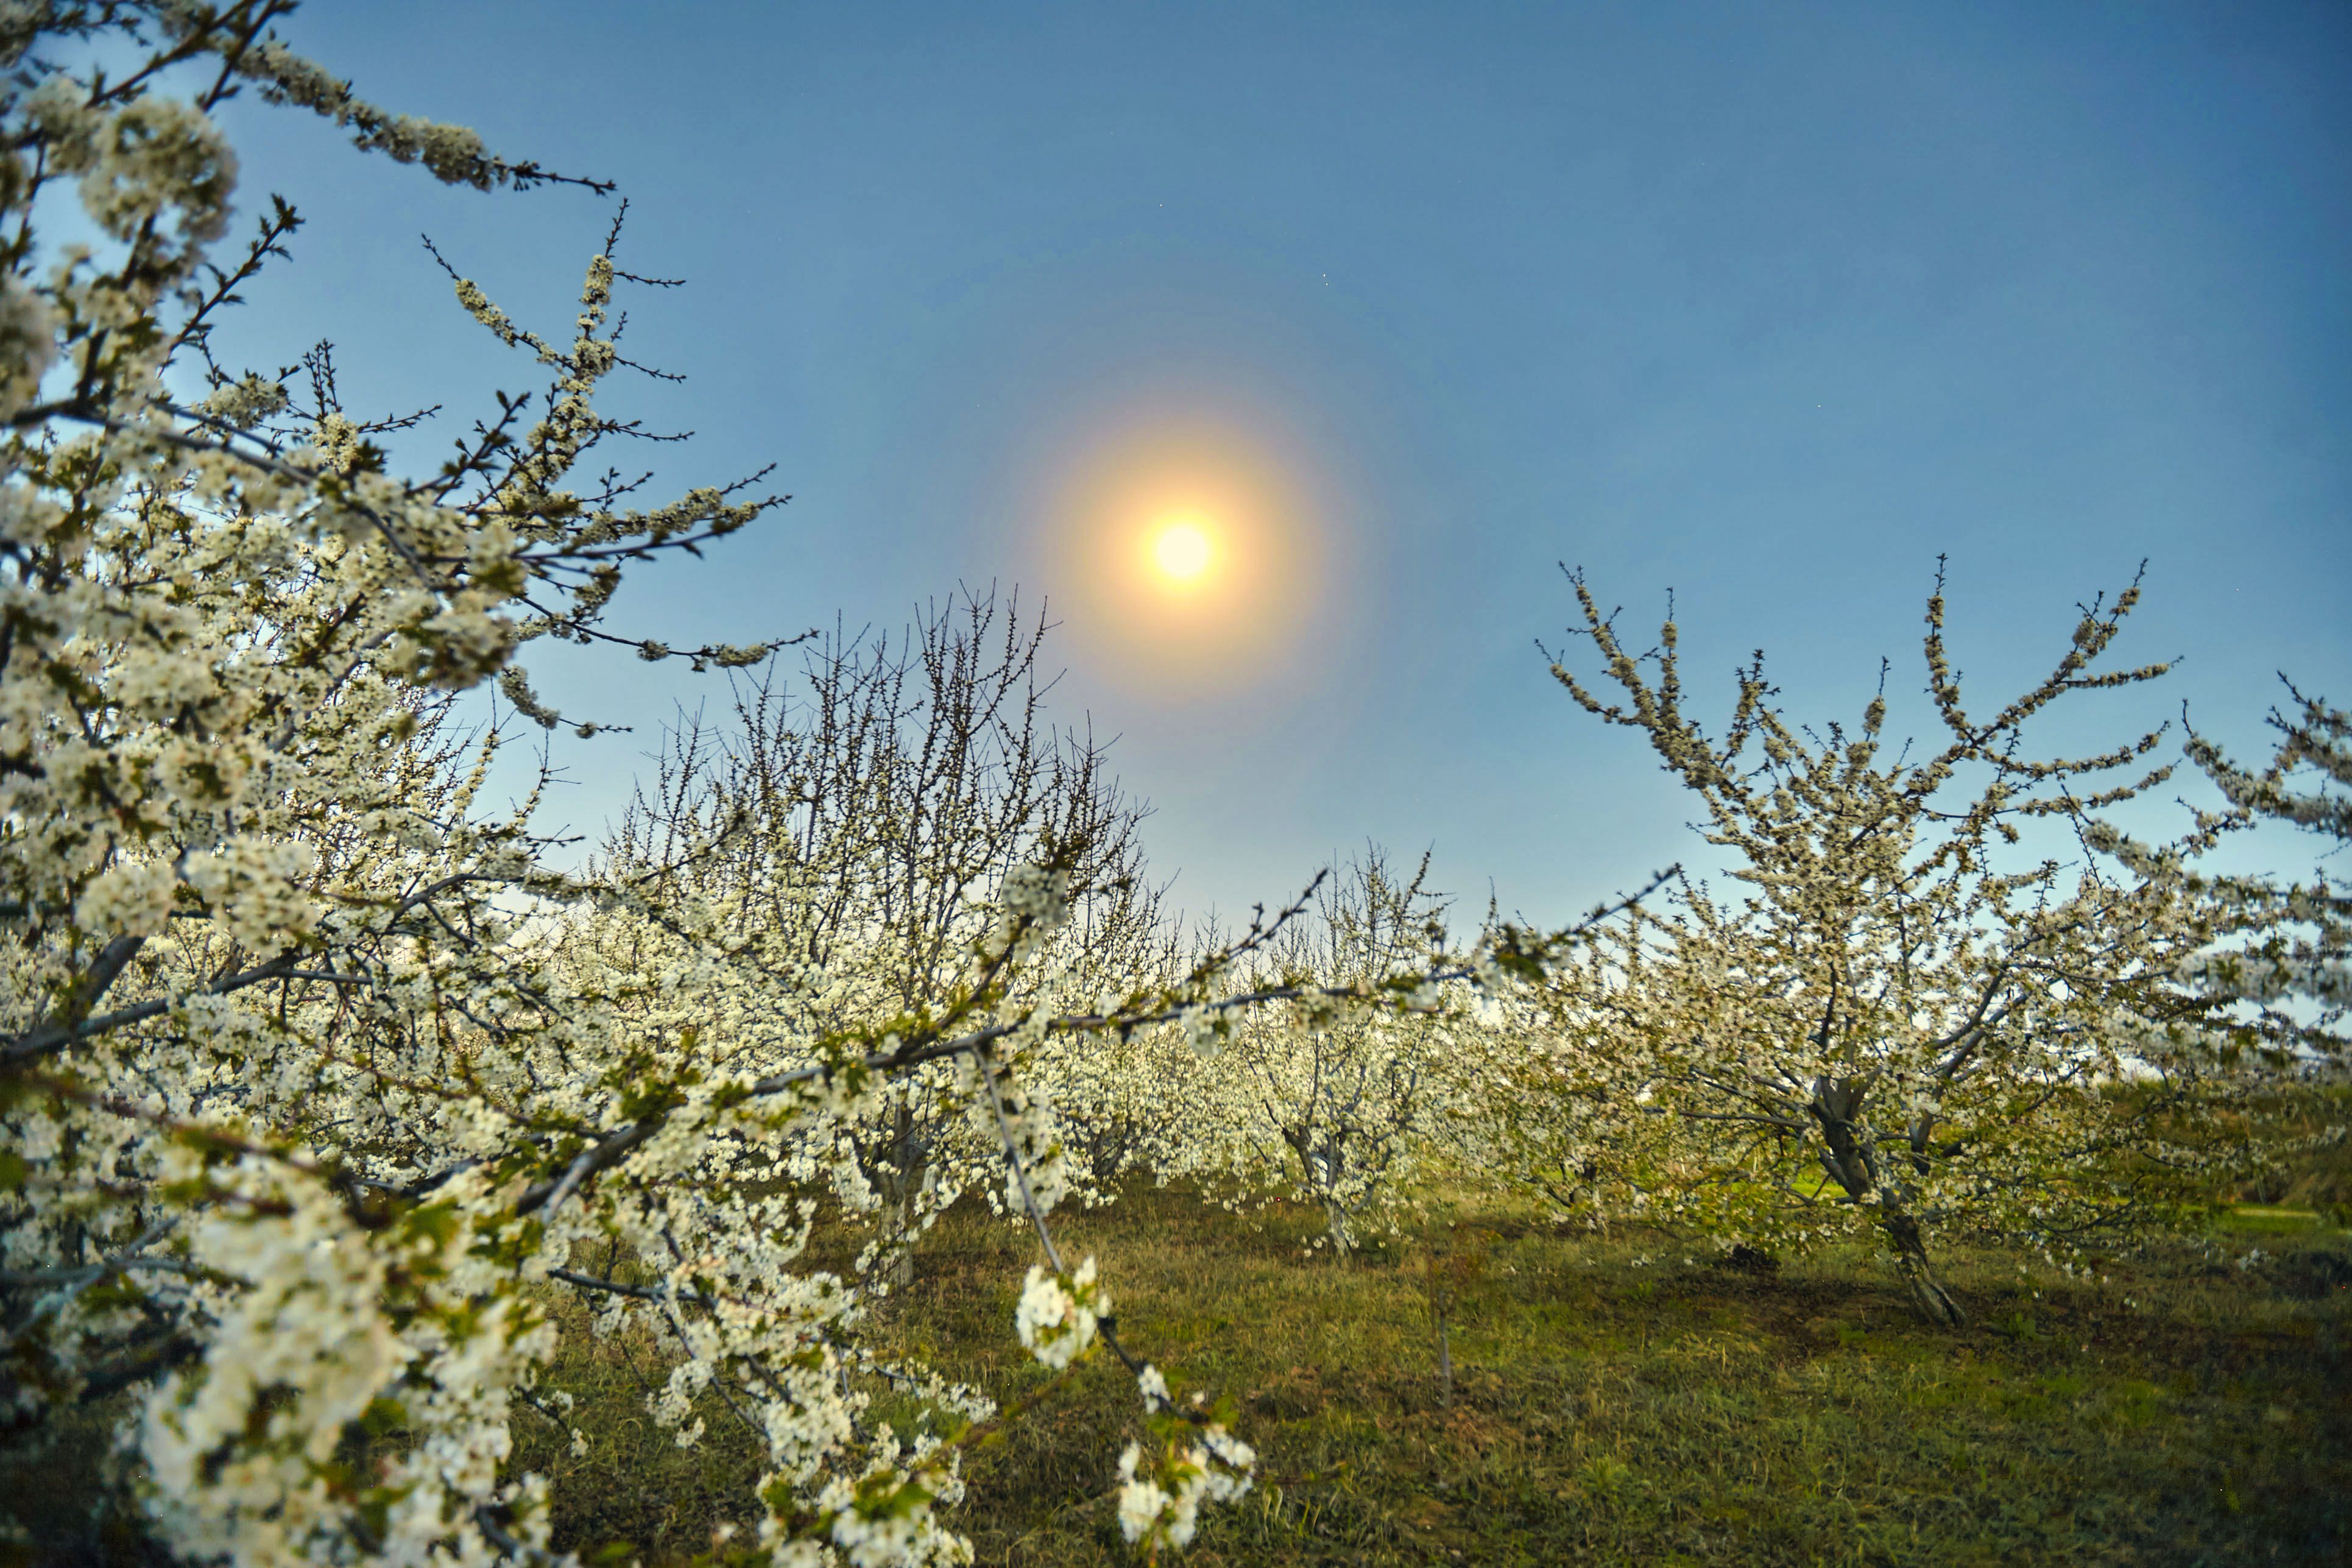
(1611, 1403)
(1614, 1404)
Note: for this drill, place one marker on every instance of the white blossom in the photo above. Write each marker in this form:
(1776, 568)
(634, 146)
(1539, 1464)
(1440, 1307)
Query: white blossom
(1056, 1316)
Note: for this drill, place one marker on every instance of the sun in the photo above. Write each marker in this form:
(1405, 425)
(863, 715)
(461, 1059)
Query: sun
(1184, 551)
(1191, 553)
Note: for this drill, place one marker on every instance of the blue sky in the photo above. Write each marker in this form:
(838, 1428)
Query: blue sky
(1771, 305)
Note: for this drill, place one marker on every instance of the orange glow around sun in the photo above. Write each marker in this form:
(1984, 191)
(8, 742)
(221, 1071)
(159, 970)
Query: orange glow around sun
(1187, 554)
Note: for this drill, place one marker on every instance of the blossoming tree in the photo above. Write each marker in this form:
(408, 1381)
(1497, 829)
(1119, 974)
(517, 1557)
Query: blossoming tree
(307, 1105)
(1908, 1024)
(862, 834)
(1334, 1103)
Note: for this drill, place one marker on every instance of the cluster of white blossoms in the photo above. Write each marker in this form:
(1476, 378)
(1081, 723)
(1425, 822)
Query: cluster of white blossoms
(1160, 1504)
(1057, 1314)
(255, 888)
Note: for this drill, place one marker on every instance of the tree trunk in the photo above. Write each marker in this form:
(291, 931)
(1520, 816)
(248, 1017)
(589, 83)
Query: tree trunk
(900, 1270)
(1849, 1160)
(1928, 1293)
(902, 1188)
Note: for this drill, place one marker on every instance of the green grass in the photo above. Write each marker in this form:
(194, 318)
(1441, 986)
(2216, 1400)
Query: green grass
(2264, 1219)
(1618, 1410)
(1612, 1404)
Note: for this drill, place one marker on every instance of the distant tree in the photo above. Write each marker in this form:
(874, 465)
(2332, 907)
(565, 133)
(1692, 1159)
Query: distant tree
(1332, 1103)
(864, 833)
(1907, 1024)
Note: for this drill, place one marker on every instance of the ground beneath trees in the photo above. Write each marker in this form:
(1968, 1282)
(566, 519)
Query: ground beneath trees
(1611, 1403)
(1614, 1403)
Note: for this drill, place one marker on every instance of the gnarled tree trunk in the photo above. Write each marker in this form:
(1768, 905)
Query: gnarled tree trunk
(1851, 1161)
(1928, 1293)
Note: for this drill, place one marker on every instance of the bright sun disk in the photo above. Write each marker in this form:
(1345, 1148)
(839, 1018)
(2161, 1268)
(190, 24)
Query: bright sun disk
(1182, 550)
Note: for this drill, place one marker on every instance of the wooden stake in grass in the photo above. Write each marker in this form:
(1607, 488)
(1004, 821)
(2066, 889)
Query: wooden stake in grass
(1444, 1277)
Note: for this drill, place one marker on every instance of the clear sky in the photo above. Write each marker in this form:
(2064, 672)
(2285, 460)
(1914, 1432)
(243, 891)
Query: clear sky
(1767, 304)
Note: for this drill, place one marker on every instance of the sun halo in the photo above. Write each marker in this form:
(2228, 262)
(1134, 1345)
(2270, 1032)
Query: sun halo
(1190, 556)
